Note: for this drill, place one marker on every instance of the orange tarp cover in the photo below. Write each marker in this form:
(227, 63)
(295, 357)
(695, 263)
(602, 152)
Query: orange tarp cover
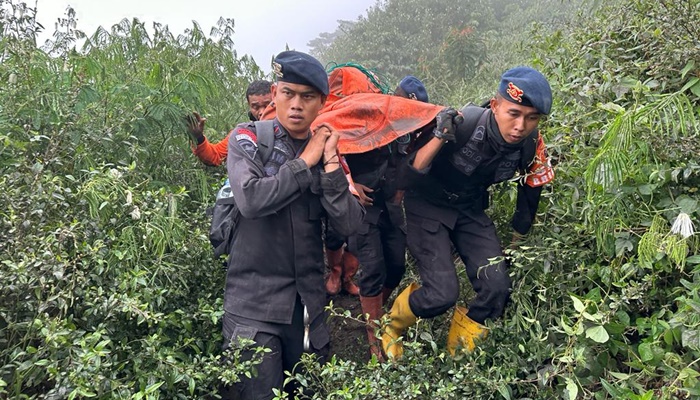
(365, 118)
(367, 121)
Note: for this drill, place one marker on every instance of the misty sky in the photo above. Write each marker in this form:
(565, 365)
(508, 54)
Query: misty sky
(263, 27)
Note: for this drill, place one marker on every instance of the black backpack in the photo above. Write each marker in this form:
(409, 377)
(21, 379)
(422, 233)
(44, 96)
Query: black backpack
(225, 213)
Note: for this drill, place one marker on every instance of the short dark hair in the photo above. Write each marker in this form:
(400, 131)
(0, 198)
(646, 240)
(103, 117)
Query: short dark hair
(259, 87)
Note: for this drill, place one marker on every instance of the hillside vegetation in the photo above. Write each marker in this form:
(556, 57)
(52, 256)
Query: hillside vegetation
(109, 287)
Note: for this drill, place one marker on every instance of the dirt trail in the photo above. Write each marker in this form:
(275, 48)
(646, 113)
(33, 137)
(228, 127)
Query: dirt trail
(348, 337)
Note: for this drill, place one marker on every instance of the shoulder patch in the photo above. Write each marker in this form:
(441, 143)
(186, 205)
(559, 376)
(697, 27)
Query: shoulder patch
(246, 134)
(541, 171)
(248, 140)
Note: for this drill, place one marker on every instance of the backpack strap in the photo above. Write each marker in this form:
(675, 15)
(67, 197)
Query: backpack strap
(474, 117)
(265, 131)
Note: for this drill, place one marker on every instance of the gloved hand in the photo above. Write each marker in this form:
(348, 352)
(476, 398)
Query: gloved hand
(447, 120)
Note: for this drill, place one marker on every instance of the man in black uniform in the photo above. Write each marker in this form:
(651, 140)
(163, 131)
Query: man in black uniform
(380, 243)
(446, 182)
(274, 287)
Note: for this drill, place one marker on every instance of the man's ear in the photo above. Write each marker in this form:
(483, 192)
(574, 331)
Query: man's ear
(493, 103)
(323, 100)
(273, 90)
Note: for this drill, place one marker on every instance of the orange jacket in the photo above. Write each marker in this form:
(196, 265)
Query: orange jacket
(212, 153)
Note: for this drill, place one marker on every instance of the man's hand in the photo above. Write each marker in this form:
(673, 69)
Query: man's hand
(331, 148)
(195, 126)
(331, 159)
(362, 192)
(315, 147)
(446, 120)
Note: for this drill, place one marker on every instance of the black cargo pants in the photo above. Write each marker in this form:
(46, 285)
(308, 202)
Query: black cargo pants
(474, 237)
(380, 246)
(286, 345)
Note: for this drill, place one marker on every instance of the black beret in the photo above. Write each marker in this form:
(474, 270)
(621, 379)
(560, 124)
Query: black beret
(300, 68)
(414, 88)
(528, 87)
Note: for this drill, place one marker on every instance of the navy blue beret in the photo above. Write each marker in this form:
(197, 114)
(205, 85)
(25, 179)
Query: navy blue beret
(528, 87)
(414, 88)
(300, 68)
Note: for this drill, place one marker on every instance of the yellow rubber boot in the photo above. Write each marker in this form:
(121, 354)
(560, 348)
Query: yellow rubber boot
(401, 317)
(464, 332)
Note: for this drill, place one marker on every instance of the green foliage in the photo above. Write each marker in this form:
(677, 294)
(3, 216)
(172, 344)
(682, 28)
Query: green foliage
(605, 297)
(109, 288)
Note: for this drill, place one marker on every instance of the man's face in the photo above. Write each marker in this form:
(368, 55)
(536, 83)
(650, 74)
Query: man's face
(514, 121)
(297, 106)
(257, 104)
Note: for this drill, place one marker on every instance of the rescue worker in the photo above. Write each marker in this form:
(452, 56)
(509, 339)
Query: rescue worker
(257, 96)
(274, 285)
(447, 181)
(342, 264)
(411, 87)
(380, 243)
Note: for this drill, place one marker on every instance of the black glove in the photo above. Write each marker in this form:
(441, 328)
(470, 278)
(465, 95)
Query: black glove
(447, 119)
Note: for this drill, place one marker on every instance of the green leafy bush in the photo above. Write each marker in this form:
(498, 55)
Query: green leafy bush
(110, 290)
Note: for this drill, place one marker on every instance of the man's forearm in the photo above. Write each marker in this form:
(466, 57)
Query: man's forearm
(426, 154)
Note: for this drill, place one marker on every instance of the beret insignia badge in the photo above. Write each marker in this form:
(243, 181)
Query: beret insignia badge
(515, 92)
(277, 69)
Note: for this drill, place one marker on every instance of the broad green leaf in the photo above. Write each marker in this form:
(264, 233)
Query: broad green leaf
(645, 352)
(688, 67)
(688, 373)
(571, 389)
(592, 317)
(648, 395)
(504, 390)
(619, 375)
(692, 84)
(597, 334)
(691, 338)
(695, 89)
(152, 388)
(687, 205)
(612, 107)
(578, 304)
(647, 190)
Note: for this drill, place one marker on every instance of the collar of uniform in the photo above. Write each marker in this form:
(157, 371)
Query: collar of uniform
(283, 131)
(495, 139)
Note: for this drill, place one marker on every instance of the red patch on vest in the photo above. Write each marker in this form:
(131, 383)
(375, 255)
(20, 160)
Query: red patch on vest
(541, 171)
(515, 92)
(243, 133)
